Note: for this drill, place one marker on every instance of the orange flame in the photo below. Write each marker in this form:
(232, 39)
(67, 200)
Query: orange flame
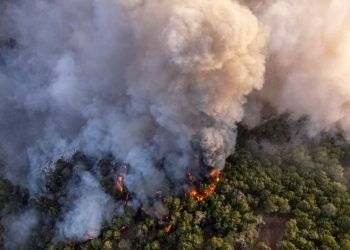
(204, 194)
(167, 229)
(119, 182)
(209, 190)
(192, 192)
(215, 176)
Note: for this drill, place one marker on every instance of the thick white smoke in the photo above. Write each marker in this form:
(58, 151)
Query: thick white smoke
(90, 207)
(149, 82)
(308, 62)
(18, 227)
(161, 83)
(138, 82)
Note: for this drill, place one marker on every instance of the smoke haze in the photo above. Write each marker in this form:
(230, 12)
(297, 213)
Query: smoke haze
(18, 228)
(307, 63)
(153, 82)
(91, 206)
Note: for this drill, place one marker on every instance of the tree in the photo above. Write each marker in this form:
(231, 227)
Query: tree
(263, 246)
(216, 242)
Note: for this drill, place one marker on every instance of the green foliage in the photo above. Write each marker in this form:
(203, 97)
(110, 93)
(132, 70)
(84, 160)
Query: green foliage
(305, 184)
(302, 187)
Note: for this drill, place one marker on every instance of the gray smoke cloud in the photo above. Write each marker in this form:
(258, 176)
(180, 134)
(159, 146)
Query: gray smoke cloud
(160, 83)
(308, 56)
(89, 208)
(18, 227)
(147, 81)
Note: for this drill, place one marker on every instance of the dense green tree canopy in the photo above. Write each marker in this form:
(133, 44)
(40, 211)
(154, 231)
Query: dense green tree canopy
(295, 196)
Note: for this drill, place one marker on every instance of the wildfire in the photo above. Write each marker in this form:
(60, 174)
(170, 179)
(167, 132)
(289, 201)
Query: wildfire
(191, 177)
(204, 194)
(192, 192)
(215, 174)
(209, 190)
(200, 196)
(167, 229)
(90, 236)
(119, 182)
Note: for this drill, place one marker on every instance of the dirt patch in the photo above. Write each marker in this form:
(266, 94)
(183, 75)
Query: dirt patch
(272, 229)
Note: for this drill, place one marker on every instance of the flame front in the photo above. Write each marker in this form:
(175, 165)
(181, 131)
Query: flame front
(119, 182)
(215, 174)
(204, 194)
(167, 229)
(200, 196)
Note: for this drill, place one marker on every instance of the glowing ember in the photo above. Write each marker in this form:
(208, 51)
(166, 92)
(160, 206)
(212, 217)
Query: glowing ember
(192, 192)
(199, 196)
(167, 229)
(209, 190)
(119, 182)
(215, 174)
(191, 177)
(90, 236)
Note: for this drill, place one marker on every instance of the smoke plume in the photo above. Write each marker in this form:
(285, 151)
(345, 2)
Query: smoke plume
(91, 206)
(148, 82)
(159, 85)
(18, 228)
(307, 70)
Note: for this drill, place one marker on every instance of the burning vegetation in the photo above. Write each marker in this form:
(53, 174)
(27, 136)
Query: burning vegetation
(119, 182)
(167, 229)
(200, 195)
(177, 80)
(196, 191)
(311, 198)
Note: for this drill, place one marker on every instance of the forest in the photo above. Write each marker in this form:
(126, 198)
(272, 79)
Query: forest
(149, 124)
(275, 192)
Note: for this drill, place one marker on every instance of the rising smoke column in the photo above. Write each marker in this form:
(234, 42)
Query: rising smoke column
(146, 81)
(308, 62)
(160, 82)
(89, 208)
